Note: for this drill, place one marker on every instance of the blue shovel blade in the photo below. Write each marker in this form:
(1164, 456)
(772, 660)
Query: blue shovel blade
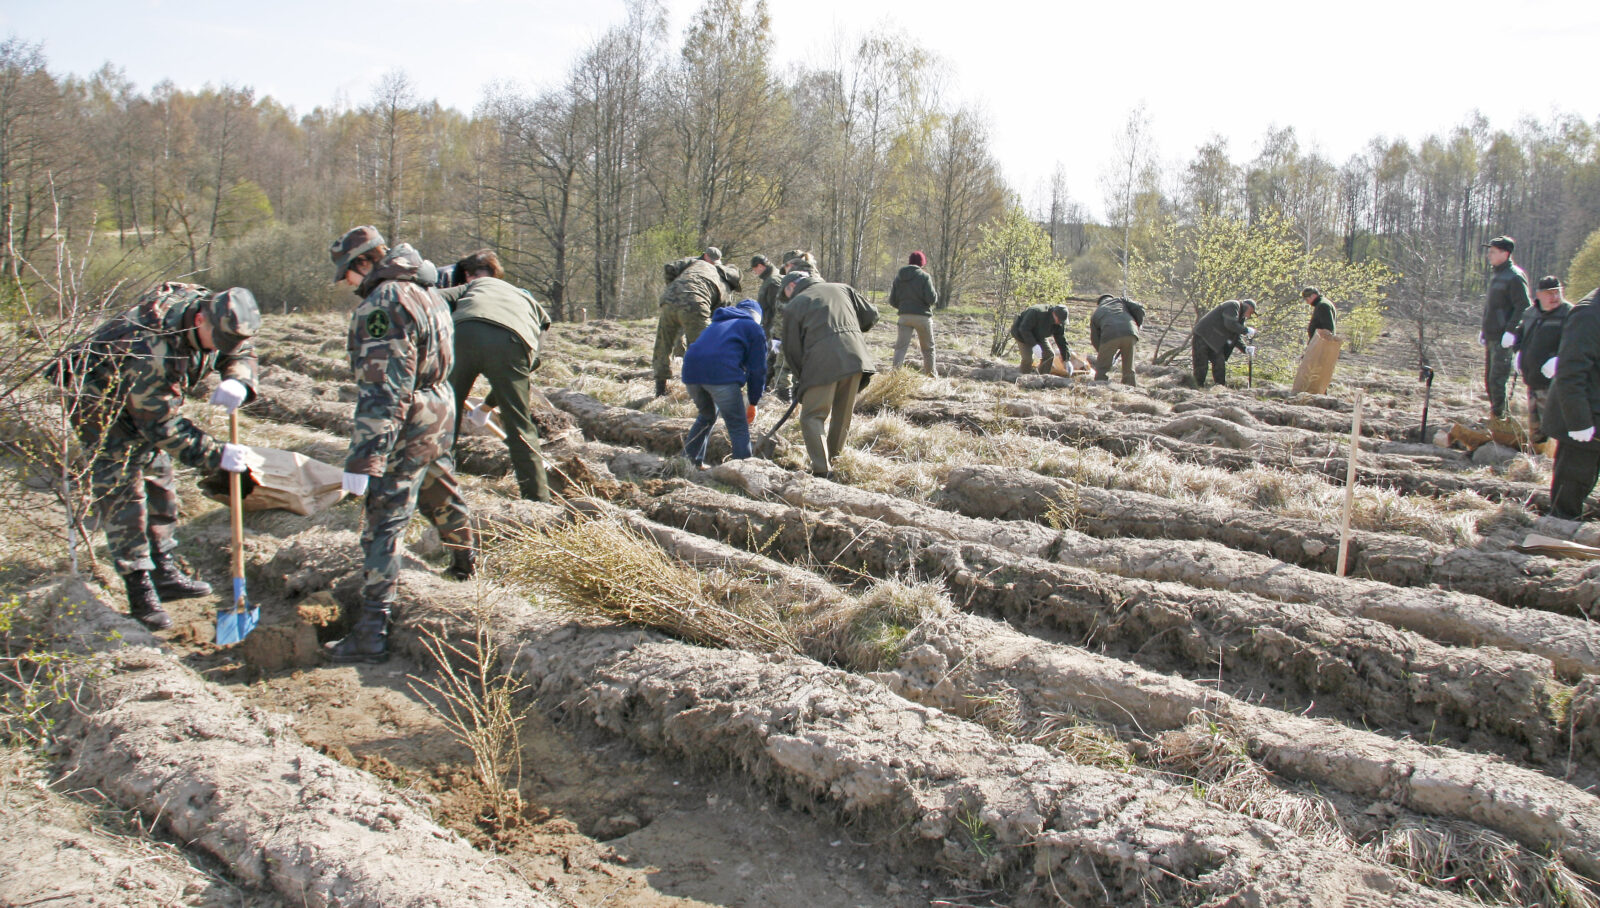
(234, 624)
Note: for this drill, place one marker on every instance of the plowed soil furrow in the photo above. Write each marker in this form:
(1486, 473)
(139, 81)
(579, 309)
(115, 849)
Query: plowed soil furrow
(1573, 646)
(1360, 670)
(154, 737)
(939, 790)
(957, 662)
(1509, 578)
(1124, 436)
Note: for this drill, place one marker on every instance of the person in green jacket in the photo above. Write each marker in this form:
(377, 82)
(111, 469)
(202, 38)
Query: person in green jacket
(1113, 330)
(1322, 314)
(1217, 334)
(1036, 326)
(498, 328)
(914, 297)
(823, 325)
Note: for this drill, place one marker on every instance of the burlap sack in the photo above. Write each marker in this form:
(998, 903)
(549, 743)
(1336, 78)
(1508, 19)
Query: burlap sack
(1316, 366)
(290, 481)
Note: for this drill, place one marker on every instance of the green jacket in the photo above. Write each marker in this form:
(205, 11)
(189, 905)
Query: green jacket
(130, 375)
(1113, 319)
(1036, 325)
(490, 299)
(823, 325)
(913, 293)
(1222, 327)
(1507, 299)
(1322, 316)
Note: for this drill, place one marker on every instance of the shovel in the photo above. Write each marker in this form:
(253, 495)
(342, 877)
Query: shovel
(235, 622)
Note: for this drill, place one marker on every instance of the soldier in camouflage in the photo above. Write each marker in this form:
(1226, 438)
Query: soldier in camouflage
(780, 381)
(694, 288)
(125, 384)
(402, 348)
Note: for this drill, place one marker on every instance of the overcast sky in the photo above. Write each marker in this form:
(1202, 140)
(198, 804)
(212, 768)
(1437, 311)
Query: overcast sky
(1056, 81)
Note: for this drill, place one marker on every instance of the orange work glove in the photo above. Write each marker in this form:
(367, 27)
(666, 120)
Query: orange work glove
(750, 413)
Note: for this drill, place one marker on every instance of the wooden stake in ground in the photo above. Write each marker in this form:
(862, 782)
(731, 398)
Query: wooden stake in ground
(1350, 487)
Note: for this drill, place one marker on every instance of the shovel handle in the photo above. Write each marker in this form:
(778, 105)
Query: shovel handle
(236, 507)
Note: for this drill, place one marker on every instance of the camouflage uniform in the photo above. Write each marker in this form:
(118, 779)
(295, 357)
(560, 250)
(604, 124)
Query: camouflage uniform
(402, 348)
(129, 378)
(698, 287)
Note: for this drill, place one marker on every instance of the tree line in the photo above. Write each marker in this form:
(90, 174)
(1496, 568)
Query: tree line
(653, 146)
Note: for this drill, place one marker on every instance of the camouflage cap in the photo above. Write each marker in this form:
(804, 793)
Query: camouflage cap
(234, 316)
(790, 257)
(712, 254)
(760, 260)
(347, 248)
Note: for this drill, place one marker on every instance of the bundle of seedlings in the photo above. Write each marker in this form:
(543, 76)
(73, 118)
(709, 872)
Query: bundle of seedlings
(596, 564)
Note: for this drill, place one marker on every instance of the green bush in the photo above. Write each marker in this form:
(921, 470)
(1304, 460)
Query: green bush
(285, 266)
(1363, 325)
(1583, 275)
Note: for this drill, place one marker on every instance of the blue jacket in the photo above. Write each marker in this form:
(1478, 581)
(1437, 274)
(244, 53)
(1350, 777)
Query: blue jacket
(732, 351)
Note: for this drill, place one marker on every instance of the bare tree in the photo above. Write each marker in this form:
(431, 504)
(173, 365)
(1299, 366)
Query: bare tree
(1132, 169)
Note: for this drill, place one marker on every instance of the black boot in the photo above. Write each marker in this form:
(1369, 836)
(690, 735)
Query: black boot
(368, 640)
(172, 583)
(463, 564)
(661, 387)
(144, 605)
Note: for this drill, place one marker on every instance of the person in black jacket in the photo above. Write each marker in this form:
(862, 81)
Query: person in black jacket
(1534, 353)
(1502, 310)
(1216, 336)
(1573, 409)
(914, 297)
(1321, 313)
(1035, 326)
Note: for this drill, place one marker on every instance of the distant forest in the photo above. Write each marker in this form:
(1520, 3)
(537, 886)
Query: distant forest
(657, 145)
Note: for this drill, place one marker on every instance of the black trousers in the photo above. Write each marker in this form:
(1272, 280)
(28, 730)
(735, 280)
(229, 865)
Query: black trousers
(1216, 359)
(1577, 468)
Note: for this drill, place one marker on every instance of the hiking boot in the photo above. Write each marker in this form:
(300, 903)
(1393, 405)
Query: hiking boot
(368, 640)
(661, 387)
(463, 564)
(784, 395)
(144, 604)
(172, 583)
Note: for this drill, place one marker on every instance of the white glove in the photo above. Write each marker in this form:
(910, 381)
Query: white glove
(229, 395)
(1482, 341)
(356, 483)
(479, 416)
(239, 458)
(1508, 340)
(776, 345)
(1069, 369)
(1583, 434)
(1548, 370)
(1250, 350)
(1249, 331)
(1516, 361)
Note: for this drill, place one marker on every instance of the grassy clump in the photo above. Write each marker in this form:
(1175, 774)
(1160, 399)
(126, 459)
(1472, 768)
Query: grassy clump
(599, 566)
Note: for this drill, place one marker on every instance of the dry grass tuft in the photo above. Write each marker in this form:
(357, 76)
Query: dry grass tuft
(1480, 864)
(1079, 741)
(869, 631)
(891, 390)
(601, 567)
(1221, 770)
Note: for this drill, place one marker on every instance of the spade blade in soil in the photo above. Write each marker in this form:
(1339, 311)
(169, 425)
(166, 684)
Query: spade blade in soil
(236, 622)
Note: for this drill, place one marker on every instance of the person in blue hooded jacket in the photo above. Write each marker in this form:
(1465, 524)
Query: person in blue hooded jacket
(728, 357)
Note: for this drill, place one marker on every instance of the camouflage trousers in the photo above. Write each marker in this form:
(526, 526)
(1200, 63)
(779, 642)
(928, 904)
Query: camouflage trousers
(1536, 402)
(136, 503)
(411, 484)
(674, 322)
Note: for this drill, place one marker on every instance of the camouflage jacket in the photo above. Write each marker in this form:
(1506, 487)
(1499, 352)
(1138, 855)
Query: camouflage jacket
(699, 283)
(129, 376)
(402, 346)
(770, 298)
